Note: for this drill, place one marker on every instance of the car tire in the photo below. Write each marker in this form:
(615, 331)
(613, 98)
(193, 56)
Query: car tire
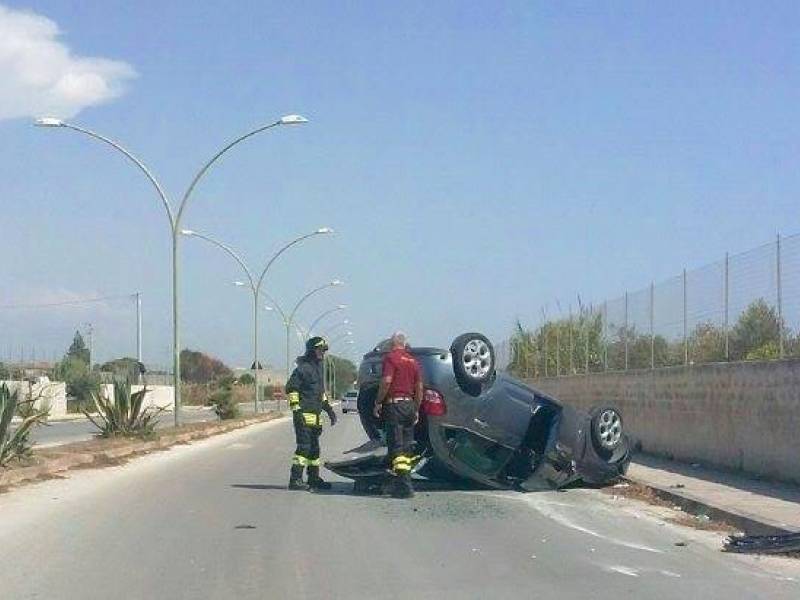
(473, 360)
(607, 430)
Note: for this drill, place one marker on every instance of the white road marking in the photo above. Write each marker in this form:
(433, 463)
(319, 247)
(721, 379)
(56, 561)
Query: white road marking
(623, 570)
(550, 510)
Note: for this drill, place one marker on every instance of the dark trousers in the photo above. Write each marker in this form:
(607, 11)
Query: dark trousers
(371, 425)
(399, 423)
(307, 437)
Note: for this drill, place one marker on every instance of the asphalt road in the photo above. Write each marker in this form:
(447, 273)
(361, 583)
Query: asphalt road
(78, 430)
(214, 520)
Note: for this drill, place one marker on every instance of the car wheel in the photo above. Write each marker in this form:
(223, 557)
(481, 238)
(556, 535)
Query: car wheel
(473, 359)
(606, 430)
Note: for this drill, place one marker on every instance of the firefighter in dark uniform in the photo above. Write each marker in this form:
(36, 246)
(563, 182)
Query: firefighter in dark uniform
(307, 399)
(398, 401)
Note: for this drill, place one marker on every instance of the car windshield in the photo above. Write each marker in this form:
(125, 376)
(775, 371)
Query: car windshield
(478, 453)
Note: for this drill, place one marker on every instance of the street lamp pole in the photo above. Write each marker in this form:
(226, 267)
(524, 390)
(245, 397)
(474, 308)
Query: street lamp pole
(316, 321)
(173, 216)
(340, 337)
(254, 285)
(333, 328)
(288, 320)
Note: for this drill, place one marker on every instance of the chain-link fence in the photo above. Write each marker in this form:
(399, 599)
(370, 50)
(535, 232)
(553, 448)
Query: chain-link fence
(743, 307)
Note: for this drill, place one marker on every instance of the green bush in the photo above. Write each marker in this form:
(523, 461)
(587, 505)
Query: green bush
(16, 444)
(224, 404)
(125, 415)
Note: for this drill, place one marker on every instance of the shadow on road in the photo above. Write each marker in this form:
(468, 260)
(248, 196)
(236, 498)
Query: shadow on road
(346, 489)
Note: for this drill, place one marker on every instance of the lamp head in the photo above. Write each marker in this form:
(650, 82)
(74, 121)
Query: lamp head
(292, 120)
(48, 122)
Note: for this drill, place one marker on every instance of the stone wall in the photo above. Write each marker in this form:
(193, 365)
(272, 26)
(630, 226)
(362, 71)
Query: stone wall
(743, 416)
(161, 396)
(52, 394)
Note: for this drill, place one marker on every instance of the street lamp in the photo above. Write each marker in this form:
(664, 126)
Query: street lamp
(254, 284)
(288, 319)
(316, 321)
(339, 338)
(333, 328)
(174, 216)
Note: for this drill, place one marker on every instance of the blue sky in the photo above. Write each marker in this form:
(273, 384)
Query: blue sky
(478, 160)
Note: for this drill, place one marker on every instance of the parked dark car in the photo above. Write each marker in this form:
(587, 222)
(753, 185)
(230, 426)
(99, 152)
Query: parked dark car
(482, 425)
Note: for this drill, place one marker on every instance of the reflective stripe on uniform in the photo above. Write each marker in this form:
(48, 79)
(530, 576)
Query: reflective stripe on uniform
(311, 419)
(314, 462)
(300, 460)
(401, 464)
(294, 400)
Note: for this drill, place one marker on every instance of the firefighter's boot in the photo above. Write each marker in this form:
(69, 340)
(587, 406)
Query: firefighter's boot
(316, 482)
(296, 479)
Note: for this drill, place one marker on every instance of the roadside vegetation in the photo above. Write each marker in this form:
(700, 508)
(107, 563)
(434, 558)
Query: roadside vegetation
(223, 401)
(15, 442)
(568, 346)
(125, 414)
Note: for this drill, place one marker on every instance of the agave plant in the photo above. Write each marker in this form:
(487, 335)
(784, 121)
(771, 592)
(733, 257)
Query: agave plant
(16, 444)
(126, 414)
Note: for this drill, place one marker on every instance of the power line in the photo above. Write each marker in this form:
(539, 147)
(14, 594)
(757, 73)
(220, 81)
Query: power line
(67, 302)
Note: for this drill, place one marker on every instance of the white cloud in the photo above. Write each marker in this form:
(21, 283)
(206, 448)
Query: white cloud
(39, 75)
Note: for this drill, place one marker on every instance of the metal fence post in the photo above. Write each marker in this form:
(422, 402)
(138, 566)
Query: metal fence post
(605, 335)
(586, 340)
(652, 331)
(558, 352)
(780, 294)
(727, 309)
(626, 330)
(546, 355)
(685, 324)
(571, 362)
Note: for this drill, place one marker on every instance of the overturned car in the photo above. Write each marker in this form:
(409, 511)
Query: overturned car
(481, 425)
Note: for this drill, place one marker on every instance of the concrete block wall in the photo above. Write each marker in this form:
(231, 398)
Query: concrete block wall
(162, 396)
(49, 393)
(743, 416)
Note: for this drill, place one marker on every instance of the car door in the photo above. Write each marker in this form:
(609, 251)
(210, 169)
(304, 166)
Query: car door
(503, 412)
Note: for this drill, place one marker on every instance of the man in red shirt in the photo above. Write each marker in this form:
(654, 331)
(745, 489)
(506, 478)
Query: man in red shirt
(399, 398)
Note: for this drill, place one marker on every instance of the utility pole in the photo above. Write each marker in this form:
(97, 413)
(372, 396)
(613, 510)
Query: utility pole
(139, 326)
(90, 335)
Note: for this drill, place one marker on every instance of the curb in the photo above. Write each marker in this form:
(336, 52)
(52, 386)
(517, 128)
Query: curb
(59, 461)
(747, 523)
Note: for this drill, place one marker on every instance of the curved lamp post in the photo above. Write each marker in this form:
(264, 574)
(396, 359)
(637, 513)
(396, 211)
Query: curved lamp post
(333, 328)
(316, 321)
(332, 378)
(288, 319)
(173, 215)
(339, 338)
(254, 283)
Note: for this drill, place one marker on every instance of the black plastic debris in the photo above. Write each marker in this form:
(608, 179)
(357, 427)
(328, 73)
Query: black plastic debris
(763, 544)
